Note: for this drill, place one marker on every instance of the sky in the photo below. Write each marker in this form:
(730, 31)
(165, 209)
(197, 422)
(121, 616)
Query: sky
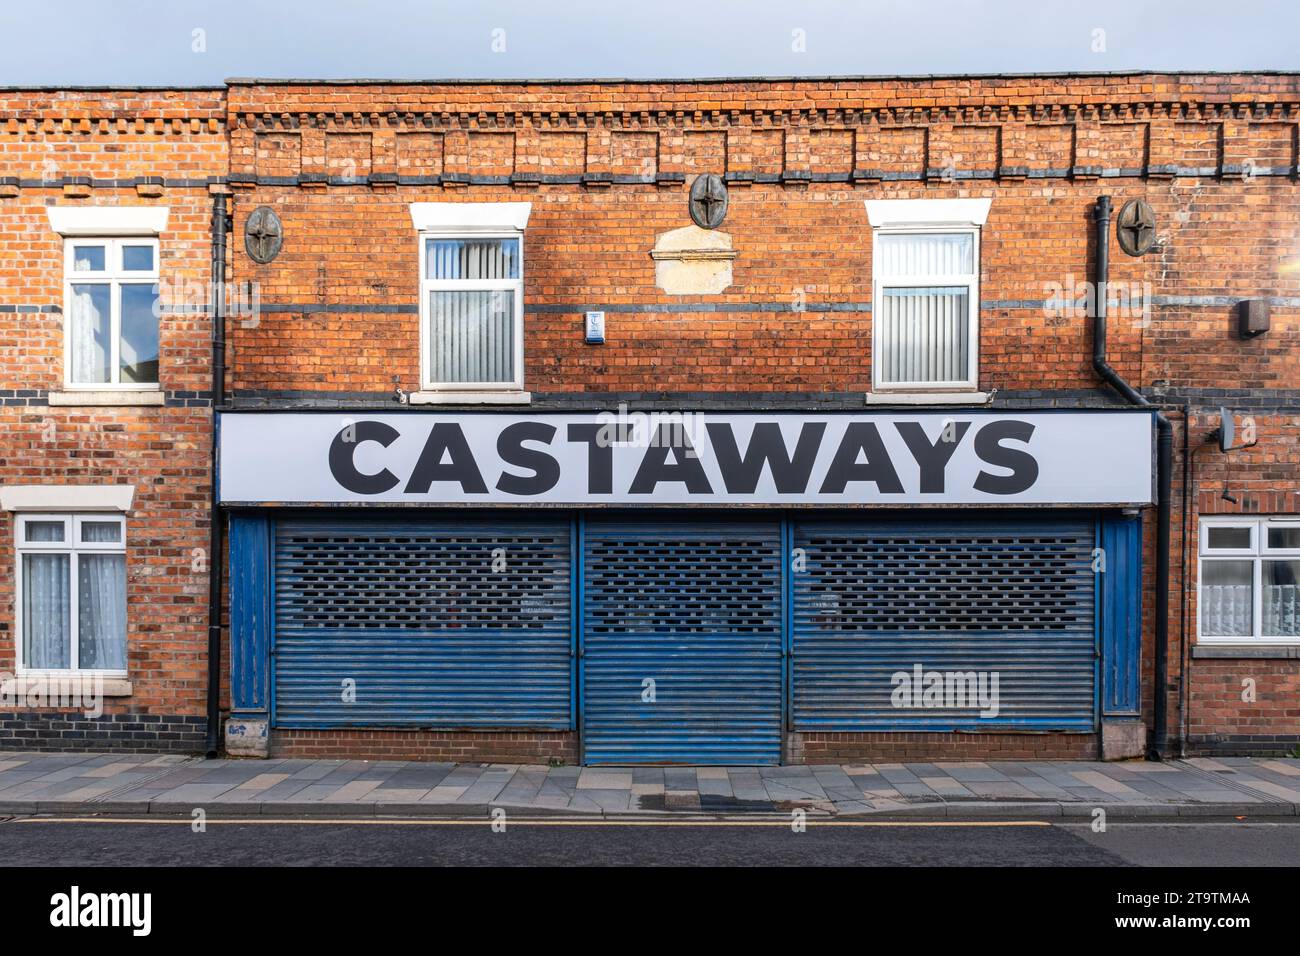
(204, 42)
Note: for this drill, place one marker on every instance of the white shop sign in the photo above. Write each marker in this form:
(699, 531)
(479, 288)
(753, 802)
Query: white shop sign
(705, 458)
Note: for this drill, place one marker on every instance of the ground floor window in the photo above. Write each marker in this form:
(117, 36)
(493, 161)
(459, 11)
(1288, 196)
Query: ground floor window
(72, 592)
(1250, 580)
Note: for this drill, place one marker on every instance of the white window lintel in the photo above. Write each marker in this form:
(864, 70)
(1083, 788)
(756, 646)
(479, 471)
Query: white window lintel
(927, 212)
(66, 497)
(470, 216)
(108, 220)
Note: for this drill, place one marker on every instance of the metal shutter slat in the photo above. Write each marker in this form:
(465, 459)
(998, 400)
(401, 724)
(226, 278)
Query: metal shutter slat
(697, 607)
(878, 597)
(413, 612)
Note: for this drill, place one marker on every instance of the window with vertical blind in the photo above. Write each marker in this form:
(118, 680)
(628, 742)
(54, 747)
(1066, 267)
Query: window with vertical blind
(1249, 588)
(472, 311)
(925, 309)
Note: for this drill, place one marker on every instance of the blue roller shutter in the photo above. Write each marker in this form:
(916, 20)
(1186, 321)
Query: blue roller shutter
(448, 622)
(956, 596)
(694, 607)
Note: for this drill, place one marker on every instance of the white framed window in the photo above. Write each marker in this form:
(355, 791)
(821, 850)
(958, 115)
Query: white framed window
(1248, 586)
(925, 294)
(471, 301)
(111, 313)
(471, 311)
(71, 593)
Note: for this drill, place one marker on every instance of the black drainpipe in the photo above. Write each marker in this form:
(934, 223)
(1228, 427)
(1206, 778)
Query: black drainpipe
(217, 299)
(1164, 475)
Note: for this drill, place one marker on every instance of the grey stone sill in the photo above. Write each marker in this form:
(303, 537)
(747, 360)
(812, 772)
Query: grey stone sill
(1277, 652)
(470, 398)
(47, 686)
(108, 397)
(927, 398)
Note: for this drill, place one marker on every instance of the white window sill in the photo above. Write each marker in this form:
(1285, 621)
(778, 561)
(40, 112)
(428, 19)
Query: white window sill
(928, 398)
(470, 398)
(1272, 649)
(61, 685)
(108, 397)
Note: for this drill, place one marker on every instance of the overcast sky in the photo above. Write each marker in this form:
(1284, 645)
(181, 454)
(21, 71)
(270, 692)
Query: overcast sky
(190, 42)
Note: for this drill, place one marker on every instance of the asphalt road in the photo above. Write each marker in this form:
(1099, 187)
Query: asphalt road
(25, 842)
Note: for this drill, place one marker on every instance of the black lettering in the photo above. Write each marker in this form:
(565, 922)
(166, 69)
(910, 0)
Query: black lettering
(766, 447)
(343, 451)
(600, 456)
(446, 438)
(861, 437)
(685, 467)
(932, 458)
(510, 446)
(1024, 467)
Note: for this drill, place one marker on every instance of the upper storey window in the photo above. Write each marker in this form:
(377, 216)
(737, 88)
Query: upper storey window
(925, 293)
(472, 299)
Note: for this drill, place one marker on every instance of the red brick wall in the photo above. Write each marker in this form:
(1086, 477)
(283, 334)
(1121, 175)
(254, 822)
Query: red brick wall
(162, 451)
(819, 748)
(588, 243)
(1221, 720)
(461, 746)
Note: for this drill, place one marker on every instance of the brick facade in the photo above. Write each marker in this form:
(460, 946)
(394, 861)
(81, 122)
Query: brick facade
(99, 149)
(463, 746)
(606, 167)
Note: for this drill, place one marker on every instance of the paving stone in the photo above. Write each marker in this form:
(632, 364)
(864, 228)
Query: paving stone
(285, 790)
(977, 775)
(1103, 782)
(486, 788)
(602, 799)
(443, 794)
(604, 780)
(392, 795)
(354, 791)
(680, 778)
(716, 786)
(681, 800)
(1291, 769)
(1275, 790)
(946, 786)
(881, 793)
(832, 777)
(794, 790)
(316, 769)
(109, 769)
(195, 793)
(897, 774)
